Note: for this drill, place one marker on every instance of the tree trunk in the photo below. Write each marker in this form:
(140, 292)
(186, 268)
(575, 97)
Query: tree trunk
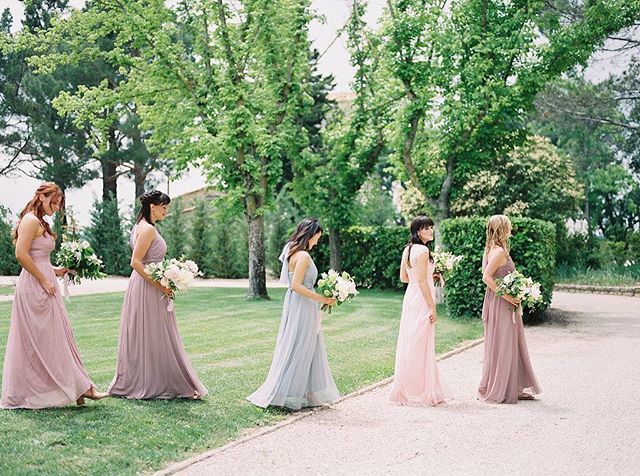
(444, 199)
(109, 169)
(335, 246)
(139, 177)
(257, 270)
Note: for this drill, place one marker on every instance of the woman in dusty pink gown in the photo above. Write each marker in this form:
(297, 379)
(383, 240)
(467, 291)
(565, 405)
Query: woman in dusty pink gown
(417, 379)
(42, 366)
(506, 369)
(152, 362)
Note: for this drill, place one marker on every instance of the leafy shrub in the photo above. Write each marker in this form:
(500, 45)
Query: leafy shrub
(532, 250)
(8, 263)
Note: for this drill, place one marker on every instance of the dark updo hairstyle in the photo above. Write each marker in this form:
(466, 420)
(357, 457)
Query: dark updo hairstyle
(155, 197)
(305, 230)
(420, 222)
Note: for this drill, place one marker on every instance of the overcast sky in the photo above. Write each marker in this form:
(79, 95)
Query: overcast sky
(15, 192)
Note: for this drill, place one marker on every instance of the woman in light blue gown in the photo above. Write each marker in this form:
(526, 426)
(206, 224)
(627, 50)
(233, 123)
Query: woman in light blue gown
(299, 375)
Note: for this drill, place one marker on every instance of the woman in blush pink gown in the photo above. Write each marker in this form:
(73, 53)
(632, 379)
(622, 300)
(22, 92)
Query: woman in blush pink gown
(417, 379)
(152, 362)
(506, 367)
(42, 366)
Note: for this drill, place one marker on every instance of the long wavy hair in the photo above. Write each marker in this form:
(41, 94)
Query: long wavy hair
(421, 222)
(36, 206)
(155, 197)
(299, 240)
(498, 230)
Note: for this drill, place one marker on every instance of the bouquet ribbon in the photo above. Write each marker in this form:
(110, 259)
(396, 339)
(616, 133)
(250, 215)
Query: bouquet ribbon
(169, 304)
(66, 280)
(516, 310)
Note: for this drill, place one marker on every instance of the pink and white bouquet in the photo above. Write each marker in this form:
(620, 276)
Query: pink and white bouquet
(341, 287)
(445, 263)
(175, 274)
(520, 287)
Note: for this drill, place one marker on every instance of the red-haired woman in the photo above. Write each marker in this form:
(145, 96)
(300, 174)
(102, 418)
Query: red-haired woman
(42, 367)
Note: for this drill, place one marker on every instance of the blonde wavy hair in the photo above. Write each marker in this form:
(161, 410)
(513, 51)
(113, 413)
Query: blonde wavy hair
(498, 231)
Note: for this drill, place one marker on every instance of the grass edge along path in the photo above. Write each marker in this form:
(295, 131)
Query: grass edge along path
(230, 343)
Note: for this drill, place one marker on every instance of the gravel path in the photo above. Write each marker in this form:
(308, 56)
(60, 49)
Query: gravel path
(586, 422)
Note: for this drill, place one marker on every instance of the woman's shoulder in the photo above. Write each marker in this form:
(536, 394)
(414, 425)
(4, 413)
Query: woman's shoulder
(30, 222)
(300, 255)
(497, 252)
(145, 230)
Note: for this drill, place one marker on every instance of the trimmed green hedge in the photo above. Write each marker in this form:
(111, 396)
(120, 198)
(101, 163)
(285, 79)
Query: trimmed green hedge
(370, 254)
(532, 250)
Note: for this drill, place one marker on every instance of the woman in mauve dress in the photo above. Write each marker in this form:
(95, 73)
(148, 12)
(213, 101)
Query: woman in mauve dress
(299, 375)
(152, 362)
(417, 380)
(507, 373)
(42, 366)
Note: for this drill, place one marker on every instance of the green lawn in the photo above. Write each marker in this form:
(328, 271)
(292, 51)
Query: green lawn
(614, 276)
(230, 342)
(6, 290)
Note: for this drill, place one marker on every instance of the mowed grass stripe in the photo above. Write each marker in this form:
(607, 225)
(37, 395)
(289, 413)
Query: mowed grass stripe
(230, 342)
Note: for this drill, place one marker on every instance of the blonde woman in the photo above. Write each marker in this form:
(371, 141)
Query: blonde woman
(507, 373)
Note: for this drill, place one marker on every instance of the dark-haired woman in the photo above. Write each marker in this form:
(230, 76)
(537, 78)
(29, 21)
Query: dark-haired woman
(299, 375)
(417, 379)
(42, 367)
(152, 362)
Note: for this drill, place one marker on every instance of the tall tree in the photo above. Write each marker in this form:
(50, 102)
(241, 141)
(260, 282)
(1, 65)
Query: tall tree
(37, 140)
(470, 71)
(329, 177)
(217, 82)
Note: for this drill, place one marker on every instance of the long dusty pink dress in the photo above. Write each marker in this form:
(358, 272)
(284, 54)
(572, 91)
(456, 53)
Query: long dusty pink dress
(417, 380)
(152, 362)
(506, 367)
(42, 366)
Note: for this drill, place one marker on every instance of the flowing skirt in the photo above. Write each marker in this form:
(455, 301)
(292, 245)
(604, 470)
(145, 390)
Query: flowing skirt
(42, 366)
(506, 367)
(152, 362)
(417, 380)
(299, 375)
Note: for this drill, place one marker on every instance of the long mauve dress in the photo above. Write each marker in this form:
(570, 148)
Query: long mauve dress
(152, 362)
(299, 375)
(506, 367)
(42, 366)
(417, 379)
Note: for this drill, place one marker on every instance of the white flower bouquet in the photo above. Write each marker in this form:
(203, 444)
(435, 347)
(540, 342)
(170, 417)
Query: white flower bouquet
(341, 287)
(79, 257)
(175, 274)
(520, 287)
(445, 263)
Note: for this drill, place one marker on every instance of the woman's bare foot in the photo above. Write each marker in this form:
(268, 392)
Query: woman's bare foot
(195, 396)
(93, 394)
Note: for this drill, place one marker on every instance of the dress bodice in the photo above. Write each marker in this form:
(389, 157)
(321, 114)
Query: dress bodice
(310, 276)
(416, 252)
(41, 248)
(156, 251)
